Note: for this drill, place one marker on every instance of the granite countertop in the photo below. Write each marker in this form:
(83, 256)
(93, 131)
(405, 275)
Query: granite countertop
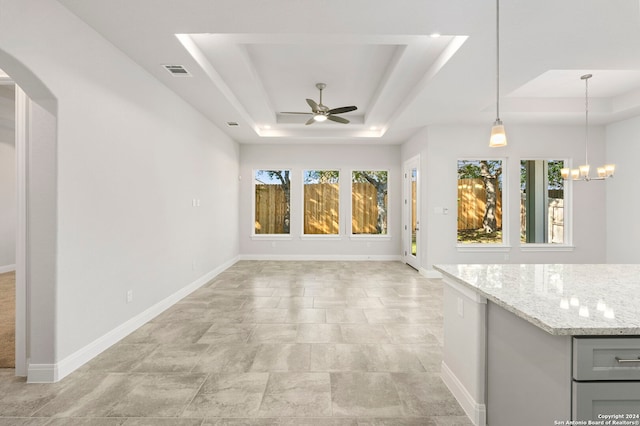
(561, 299)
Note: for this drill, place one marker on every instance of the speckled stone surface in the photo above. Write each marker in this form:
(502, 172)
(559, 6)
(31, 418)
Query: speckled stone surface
(562, 299)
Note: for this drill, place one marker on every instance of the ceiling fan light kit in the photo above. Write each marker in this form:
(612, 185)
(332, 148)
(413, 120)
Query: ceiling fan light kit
(320, 112)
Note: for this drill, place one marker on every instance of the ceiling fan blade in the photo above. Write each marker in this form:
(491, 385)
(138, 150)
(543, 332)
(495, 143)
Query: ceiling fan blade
(342, 110)
(338, 119)
(290, 112)
(314, 106)
(310, 121)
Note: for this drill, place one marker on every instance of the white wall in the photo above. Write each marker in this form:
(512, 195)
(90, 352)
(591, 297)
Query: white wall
(130, 158)
(623, 203)
(441, 146)
(322, 157)
(7, 179)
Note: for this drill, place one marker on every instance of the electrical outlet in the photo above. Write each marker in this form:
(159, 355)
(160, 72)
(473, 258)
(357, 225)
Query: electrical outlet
(273, 244)
(129, 296)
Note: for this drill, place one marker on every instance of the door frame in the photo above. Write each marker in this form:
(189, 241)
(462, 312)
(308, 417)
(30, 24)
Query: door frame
(407, 257)
(21, 123)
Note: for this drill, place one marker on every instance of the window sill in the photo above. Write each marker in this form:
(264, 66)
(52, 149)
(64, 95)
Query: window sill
(371, 237)
(492, 248)
(320, 237)
(545, 247)
(271, 237)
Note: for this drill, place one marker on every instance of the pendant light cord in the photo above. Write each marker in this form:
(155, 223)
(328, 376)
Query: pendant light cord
(498, 59)
(586, 118)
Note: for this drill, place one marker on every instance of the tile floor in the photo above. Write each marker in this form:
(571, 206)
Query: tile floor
(266, 343)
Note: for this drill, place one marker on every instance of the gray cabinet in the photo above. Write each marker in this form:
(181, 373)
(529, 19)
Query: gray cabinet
(606, 378)
(592, 400)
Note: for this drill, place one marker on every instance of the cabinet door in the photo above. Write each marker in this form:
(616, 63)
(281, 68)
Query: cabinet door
(590, 400)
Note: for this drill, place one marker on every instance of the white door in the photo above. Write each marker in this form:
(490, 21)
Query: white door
(411, 213)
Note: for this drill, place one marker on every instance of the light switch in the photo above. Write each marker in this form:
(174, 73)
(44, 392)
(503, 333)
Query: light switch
(460, 307)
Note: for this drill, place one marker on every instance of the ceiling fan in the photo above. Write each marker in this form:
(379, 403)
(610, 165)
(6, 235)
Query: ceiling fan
(321, 112)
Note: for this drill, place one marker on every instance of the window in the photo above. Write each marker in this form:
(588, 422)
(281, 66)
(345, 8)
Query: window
(480, 191)
(272, 202)
(542, 202)
(369, 202)
(321, 202)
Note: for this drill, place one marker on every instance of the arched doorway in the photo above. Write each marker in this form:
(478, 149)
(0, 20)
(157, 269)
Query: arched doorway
(35, 130)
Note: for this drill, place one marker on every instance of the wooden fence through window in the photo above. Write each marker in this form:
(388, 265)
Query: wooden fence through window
(364, 206)
(321, 209)
(472, 202)
(271, 209)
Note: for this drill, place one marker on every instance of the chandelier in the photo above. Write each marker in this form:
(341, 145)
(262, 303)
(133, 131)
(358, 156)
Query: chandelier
(582, 172)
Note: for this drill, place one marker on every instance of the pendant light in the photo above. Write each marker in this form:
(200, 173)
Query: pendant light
(498, 135)
(582, 172)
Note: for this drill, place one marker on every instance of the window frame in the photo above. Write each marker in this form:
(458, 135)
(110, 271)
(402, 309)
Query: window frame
(505, 245)
(255, 236)
(567, 244)
(353, 236)
(337, 236)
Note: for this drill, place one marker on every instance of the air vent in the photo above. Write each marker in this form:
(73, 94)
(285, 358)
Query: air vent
(232, 124)
(177, 70)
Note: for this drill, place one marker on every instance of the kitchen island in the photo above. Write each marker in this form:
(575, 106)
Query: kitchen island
(543, 344)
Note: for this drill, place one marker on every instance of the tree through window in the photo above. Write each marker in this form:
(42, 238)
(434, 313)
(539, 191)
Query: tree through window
(272, 202)
(369, 202)
(480, 202)
(321, 202)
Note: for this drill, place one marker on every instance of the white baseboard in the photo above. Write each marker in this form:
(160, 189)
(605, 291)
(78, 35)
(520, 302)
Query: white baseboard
(330, 257)
(42, 373)
(49, 373)
(7, 268)
(476, 412)
(430, 273)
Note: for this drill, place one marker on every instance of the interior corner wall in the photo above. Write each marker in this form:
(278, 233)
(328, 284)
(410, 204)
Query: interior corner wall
(623, 204)
(297, 158)
(7, 179)
(131, 156)
(441, 146)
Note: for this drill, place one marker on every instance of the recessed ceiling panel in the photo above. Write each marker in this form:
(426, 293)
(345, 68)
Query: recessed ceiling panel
(567, 84)
(352, 72)
(262, 77)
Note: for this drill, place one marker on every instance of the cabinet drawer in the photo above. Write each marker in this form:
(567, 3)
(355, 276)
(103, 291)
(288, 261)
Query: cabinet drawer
(593, 400)
(606, 358)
